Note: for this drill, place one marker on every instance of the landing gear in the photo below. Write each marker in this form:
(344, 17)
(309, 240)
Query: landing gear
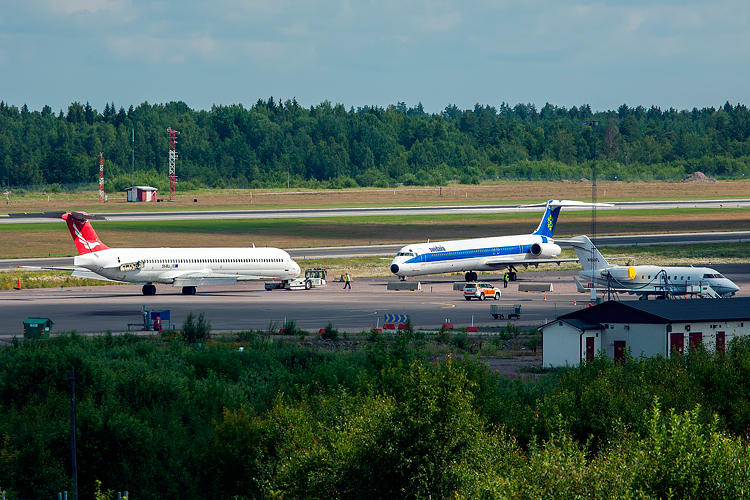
(512, 274)
(188, 290)
(149, 289)
(470, 276)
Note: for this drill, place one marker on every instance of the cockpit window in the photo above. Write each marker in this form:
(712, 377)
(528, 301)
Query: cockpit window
(705, 276)
(405, 254)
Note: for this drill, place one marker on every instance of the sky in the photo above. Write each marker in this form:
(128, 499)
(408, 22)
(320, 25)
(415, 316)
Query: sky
(667, 53)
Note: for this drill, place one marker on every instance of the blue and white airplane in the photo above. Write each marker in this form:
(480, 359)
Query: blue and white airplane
(487, 254)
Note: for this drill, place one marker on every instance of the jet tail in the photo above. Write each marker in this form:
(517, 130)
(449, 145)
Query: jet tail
(549, 220)
(83, 234)
(583, 247)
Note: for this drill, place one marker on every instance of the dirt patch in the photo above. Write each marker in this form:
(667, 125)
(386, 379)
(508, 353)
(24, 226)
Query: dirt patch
(698, 177)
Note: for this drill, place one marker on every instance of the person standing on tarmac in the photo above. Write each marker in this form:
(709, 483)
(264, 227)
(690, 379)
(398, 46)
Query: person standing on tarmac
(348, 282)
(505, 280)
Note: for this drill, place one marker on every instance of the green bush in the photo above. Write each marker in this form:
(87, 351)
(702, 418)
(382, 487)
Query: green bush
(460, 339)
(329, 332)
(196, 329)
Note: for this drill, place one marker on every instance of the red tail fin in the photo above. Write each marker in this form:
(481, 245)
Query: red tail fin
(83, 234)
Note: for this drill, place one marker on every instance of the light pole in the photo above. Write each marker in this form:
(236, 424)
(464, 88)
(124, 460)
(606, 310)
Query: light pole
(287, 175)
(441, 184)
(455, 180)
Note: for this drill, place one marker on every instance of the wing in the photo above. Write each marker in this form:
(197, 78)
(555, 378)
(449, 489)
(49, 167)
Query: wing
(502, 262)
(204, 279)
(78, 272)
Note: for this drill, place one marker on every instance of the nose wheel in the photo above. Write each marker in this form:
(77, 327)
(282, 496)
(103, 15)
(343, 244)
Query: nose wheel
(470, 276)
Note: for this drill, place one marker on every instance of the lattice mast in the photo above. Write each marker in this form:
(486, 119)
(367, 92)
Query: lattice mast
(593, 216)
(172, 158)
(101, 177)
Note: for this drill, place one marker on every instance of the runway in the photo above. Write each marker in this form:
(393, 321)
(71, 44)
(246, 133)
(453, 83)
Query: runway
(246, 306)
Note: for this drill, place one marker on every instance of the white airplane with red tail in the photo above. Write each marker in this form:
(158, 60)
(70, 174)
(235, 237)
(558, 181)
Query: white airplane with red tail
(185, 267)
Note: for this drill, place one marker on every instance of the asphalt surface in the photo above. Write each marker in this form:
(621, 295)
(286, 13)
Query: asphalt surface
(245, 306)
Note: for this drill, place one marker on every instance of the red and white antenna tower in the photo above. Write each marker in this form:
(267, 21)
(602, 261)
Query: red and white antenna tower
(172, 157)
(101, 177)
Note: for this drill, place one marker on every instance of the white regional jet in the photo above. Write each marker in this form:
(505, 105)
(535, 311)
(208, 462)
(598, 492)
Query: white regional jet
(647, 280)
(487, 254)
(185, 267)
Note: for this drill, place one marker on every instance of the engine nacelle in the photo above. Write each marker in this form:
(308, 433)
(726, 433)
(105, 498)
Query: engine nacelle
(620, 273)
(545, 250)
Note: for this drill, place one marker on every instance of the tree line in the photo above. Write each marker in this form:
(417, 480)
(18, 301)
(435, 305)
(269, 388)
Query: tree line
(163, 418)
(329, 146)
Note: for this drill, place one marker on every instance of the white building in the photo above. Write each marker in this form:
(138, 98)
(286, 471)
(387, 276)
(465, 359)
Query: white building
(141, 193)
(645, 328)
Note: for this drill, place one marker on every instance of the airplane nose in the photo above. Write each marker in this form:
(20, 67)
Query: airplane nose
(394, 268)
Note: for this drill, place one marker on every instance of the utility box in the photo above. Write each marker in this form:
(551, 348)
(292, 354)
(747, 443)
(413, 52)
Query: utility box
(37, 328)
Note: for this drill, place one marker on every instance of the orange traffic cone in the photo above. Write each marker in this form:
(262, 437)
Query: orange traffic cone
(545, 297)
(18, 286)
(574, 302)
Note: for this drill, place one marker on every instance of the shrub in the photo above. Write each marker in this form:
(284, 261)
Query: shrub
(290, 328)
(329, 332)
(460, 339)
(195, 330)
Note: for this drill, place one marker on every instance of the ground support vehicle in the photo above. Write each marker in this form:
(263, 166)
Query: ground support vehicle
(502, 312)
(316, 276)
(481, 291)
(313, 278)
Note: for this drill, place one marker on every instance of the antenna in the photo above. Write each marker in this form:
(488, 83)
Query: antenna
(133, 161)
(172, 157)
(101, 177)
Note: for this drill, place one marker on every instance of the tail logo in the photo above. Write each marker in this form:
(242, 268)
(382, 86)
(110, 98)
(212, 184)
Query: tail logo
(89, 244)
(550, 222)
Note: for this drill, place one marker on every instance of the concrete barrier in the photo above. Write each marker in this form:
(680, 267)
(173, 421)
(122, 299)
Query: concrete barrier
(459, 285)
(535, 287)
(404, 285)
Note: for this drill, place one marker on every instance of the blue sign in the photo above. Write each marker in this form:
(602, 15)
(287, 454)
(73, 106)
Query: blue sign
(395, 318)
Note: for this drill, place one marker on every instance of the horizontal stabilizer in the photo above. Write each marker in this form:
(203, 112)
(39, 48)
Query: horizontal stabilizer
(57, 215)
(568, 203)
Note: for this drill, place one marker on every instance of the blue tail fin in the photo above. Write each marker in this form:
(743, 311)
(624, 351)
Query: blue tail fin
(549, 221)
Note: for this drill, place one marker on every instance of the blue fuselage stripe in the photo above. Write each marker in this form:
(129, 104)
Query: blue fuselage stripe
(473, 253)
